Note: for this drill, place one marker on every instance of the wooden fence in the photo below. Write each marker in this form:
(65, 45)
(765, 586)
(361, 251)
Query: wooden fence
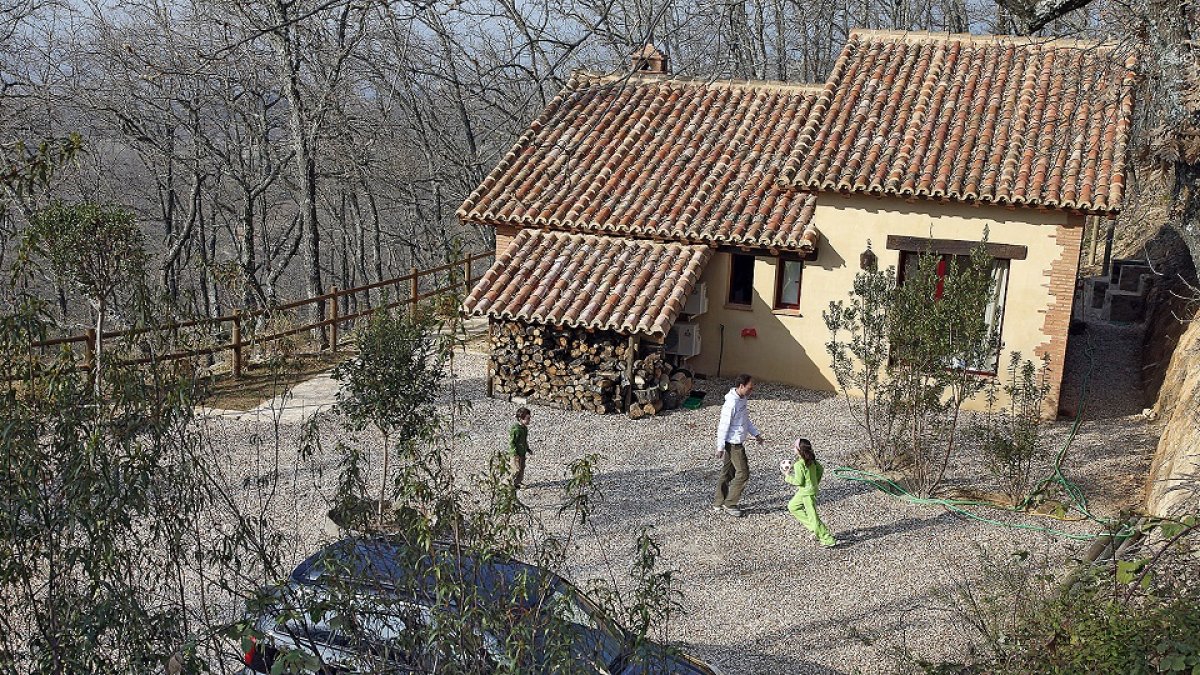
(409, 291)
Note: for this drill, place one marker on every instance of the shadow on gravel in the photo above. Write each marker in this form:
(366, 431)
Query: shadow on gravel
(716, 388)
(765, 504)
(760, 662)
(763, 507)
(1102, 371)
(608, 481)
(861, 534)
(466, 389)
(639, 495)
(842, 489)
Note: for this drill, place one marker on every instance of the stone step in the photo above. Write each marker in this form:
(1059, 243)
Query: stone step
(1120, 296)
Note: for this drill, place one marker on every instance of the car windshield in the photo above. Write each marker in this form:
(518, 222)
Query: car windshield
(382, 568)
(596, 638)
(343, 617)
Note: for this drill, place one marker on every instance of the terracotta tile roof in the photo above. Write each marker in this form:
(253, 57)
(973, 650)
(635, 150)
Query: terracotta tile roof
(578, 280)
(653, 157)
(978, 119)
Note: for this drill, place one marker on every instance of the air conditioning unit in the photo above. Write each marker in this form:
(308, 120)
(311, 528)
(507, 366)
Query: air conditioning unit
(683, 339)
(697, 301)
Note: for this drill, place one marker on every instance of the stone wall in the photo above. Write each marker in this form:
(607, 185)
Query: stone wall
(1171, 377)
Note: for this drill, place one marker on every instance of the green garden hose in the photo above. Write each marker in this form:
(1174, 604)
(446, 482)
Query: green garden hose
(1078, 500)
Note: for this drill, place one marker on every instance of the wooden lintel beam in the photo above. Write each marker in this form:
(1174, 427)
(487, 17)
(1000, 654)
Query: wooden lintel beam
(955, 247)
(769, 251)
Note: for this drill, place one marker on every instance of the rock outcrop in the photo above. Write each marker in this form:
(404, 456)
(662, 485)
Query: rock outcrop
(1173, 487)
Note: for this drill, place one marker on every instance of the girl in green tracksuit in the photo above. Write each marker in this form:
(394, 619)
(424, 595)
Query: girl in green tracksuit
(806, 476)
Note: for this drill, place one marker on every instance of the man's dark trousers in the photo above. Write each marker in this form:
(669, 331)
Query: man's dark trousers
(734, 475)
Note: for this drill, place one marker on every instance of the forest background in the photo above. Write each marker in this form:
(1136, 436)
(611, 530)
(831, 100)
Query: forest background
(272, 149)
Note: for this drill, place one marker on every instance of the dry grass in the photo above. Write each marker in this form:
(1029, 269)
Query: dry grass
(264, 381)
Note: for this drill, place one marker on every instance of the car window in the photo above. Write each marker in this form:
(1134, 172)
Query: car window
(383, 628)
(390, 583)
(351, 631)
(368, 561)
(597, 638)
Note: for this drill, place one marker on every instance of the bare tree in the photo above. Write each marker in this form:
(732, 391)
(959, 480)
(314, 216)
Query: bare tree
(271, 149)
(1164, 31)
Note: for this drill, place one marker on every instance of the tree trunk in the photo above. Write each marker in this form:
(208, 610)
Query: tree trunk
(1185, 207)
(306, 164)
(957, 21)
(378, 237)
(312, 245)
(387, 453)
(61, 295)
(98, 347)
(249, 259)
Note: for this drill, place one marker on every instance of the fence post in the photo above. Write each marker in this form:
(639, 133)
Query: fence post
(491, 374)
(333, 316)
(415, 292)
(236, 345)
(630, 353)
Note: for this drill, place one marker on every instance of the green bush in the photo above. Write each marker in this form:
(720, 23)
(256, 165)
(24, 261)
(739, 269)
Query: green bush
(911, 351)
(1096, 629)
(1011, 436)
(1130, 616)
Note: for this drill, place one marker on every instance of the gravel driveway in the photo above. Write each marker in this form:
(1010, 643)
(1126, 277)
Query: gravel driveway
(760, 595)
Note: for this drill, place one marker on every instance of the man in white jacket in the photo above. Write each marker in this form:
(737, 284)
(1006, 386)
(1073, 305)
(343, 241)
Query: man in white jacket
(735, 427)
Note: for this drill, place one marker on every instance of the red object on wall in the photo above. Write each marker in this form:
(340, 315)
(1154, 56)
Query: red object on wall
(749, 332)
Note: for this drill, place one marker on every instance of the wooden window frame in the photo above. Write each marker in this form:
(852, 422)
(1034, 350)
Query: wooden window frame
(729, 287)
(901, 267)
(779, 268)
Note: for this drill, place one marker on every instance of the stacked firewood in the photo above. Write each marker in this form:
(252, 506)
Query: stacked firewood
(650, 380)
(578, 369)
(573, 369)
(656, 387)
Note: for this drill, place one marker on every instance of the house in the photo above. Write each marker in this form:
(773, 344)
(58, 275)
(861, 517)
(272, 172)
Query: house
(916, 142)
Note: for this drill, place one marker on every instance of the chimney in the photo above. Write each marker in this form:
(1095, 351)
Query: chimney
(648, 60)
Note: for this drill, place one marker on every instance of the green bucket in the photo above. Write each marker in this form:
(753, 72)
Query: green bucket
(694, 400)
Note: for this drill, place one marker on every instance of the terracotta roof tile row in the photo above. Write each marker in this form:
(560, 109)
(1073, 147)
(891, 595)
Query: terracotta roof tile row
(589, 281)
(647, 156)
(978, 119)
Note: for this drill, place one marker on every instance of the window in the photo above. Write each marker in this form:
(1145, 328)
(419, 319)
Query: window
(787, 283)
(993, 312)
(741, 279)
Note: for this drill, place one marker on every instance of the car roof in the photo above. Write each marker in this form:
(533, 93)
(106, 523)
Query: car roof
(390, 563)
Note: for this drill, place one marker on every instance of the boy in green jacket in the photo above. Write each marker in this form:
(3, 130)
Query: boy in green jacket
(518, 446)
(806, 474)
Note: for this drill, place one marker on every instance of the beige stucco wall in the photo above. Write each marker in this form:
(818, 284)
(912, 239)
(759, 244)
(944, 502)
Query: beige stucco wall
(790, 347)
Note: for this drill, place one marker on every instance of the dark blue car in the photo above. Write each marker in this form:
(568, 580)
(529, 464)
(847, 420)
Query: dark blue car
(372, 605)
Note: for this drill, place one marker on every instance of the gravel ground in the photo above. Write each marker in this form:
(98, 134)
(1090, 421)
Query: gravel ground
(760, 595)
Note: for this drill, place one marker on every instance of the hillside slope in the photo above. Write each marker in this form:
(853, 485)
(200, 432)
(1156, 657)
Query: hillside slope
(1173, 486)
